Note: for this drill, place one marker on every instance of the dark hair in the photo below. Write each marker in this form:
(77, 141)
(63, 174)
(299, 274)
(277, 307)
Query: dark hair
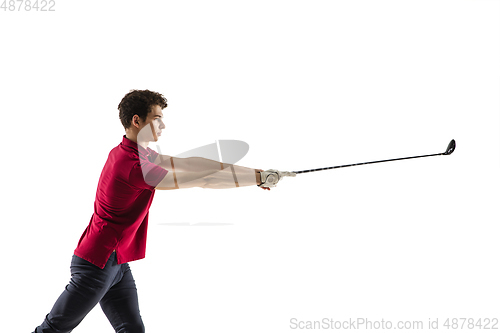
(139, 102)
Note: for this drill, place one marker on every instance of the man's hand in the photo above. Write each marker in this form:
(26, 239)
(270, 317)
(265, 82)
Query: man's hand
(260, 182)
(272, 177)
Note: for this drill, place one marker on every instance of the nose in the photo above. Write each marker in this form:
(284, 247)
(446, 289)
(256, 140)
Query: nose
(162, 124)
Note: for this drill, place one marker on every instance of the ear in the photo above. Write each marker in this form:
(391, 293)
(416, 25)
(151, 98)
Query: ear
(136, 121)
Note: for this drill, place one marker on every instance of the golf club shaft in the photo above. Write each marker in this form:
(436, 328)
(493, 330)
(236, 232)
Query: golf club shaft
(350, 165)
(449, 150)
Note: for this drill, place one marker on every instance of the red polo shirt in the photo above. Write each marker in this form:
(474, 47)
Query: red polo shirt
(123, 198)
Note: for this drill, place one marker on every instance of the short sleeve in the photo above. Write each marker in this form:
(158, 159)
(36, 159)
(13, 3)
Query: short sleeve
(152, 154)
(147, 175)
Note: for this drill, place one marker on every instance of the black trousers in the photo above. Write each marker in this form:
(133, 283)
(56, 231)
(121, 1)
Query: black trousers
(112, 287)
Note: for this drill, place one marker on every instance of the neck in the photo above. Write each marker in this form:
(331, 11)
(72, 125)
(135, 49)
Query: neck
(133, 137)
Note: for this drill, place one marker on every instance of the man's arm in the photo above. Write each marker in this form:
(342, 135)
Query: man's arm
(205, 173)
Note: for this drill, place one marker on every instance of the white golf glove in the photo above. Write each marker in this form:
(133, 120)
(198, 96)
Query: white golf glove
(271, 177)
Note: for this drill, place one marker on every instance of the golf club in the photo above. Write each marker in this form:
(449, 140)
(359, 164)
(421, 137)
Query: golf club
(449, 151)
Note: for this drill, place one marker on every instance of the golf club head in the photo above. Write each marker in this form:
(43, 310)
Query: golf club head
(451, 148)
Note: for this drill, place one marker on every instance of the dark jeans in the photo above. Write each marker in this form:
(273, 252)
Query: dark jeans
(112, 287)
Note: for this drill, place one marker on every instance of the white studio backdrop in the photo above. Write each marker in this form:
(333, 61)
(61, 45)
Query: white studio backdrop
(306, 85)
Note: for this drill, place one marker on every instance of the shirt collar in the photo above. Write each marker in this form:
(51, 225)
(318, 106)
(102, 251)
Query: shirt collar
(144, 153)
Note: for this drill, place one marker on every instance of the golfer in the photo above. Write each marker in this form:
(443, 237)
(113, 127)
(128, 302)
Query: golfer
(117, 231)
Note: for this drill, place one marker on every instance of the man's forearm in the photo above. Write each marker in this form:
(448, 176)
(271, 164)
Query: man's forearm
(206, 173)
(224, 175)
(233, 176)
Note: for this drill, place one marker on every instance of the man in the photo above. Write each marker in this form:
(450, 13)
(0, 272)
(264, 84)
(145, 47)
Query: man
(116, 233)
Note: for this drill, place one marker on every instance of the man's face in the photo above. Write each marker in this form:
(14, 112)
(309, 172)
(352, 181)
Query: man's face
(153, 125)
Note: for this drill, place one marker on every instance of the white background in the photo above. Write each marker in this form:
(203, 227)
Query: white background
(306, 84)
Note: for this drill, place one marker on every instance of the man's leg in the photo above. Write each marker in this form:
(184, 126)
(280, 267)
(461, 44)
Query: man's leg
(88, 285)
(121, 306)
